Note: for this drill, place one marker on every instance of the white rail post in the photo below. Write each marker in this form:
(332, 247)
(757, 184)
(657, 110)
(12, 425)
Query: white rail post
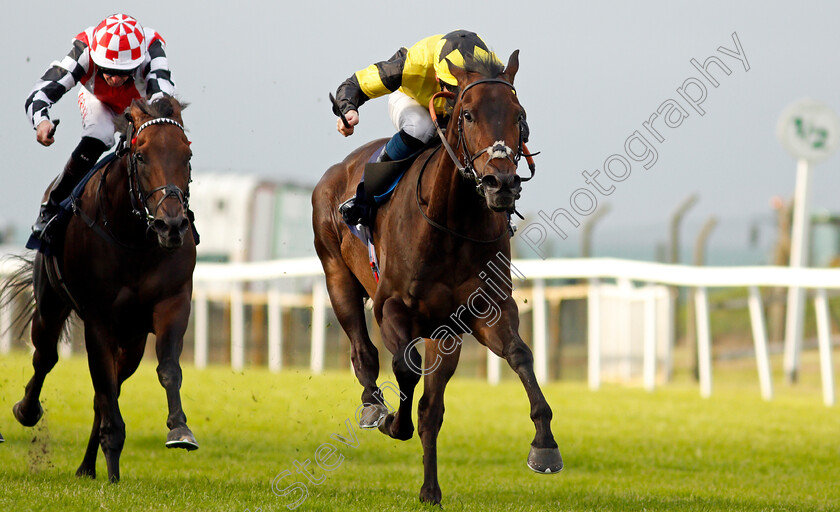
(594, 334)
(824, 338)
(5, 326)
(650, 325)
(704, 341)
(666, 317)
(319, 326)
(625, 322)
(760, 340)
(237, 327)
(275, 331)
(202, 329)
(798, 258)
(494, 368)
(540, 336)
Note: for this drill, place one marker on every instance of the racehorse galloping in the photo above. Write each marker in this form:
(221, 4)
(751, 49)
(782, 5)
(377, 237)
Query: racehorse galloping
(127, 265)
(434, 238)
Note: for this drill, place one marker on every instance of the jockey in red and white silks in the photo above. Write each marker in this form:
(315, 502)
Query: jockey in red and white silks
(116, 62)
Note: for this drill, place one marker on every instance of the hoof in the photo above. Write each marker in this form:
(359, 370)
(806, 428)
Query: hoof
(23, 419)
(1, 439)
(545, 460)
(373, 416)
(387, 428)
(85, 472)
(431, 496)
(181, 437)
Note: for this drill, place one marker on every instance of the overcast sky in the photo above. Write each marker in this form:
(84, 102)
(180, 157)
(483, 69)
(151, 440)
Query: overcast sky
(257, 74)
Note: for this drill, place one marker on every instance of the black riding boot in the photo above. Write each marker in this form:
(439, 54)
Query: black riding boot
(81, 161)
(356, 210)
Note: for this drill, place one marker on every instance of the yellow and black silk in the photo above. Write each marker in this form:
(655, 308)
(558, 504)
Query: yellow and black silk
(411, 70)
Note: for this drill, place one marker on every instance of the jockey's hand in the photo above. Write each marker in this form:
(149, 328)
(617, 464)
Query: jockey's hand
(352, 117)
(42, 133)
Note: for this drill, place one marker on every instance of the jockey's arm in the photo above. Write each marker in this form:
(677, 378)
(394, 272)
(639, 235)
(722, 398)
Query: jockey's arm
(59, 78)
(158, 78)
(371, 82)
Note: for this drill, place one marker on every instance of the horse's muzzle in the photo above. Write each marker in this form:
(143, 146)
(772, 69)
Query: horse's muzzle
(171, 230)
(501, 190)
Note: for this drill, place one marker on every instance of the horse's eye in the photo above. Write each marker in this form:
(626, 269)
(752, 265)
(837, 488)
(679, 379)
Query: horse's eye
(468, 116)
(139, 158)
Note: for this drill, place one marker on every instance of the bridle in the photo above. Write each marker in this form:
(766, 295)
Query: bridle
(139, 198)
(497, 150)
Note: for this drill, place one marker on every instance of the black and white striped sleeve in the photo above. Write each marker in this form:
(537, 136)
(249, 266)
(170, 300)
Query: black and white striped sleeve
(59, 78)
(159, 81)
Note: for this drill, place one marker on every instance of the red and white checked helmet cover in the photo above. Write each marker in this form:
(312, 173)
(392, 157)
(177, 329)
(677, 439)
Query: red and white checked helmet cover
(118, 43)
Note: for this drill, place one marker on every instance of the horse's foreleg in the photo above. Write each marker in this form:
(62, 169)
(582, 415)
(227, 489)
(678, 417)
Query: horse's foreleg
(396, 333)
(346, 297)
(127, 364)
(504, 341)
(47, 322)
(102, 361)
(170, 323)
(430, 416)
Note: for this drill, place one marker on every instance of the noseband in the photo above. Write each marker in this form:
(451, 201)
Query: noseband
(498, 149)
(139, 198)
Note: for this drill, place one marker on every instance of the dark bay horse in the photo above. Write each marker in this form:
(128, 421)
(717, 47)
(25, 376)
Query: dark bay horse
(126, 269)
(434, 238)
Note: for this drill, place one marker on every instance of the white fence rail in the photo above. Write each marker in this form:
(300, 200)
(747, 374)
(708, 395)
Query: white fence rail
(609, 308)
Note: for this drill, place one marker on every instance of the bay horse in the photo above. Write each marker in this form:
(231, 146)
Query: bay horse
(125, 268)
(433, 239)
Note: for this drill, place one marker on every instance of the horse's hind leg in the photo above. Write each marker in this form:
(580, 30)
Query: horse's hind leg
(430, 416)
(504, 341)
(170, 323)
(88, 465)
(47, 322)
(346, 297)
(126, 366)
(396, 332)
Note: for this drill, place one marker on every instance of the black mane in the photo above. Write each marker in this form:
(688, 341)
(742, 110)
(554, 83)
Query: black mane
(485, 65)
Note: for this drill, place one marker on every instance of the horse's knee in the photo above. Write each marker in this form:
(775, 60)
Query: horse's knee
(112, 435)
(429, 415)
(169, 374)
(405, 362)
(518, 355)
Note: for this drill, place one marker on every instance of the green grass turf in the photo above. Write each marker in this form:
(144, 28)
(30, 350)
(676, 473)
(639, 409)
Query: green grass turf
(624, 448)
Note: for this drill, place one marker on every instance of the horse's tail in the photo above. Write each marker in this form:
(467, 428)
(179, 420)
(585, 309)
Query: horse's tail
(17, 287)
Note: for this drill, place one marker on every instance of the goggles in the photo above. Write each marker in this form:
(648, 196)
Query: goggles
(117, 72)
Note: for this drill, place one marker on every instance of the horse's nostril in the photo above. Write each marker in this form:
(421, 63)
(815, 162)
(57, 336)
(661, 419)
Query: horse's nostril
(159, 225)
(491, 182)
(184, 225)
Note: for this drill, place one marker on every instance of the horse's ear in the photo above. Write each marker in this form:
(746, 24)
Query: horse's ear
(134, 113)
(512, 66)
(460, 74)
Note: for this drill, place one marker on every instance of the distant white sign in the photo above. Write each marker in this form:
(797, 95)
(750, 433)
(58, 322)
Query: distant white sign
(809, 130)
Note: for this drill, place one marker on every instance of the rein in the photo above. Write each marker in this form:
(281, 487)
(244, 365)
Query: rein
(441, 226)
(498, 150)
(136, 192)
